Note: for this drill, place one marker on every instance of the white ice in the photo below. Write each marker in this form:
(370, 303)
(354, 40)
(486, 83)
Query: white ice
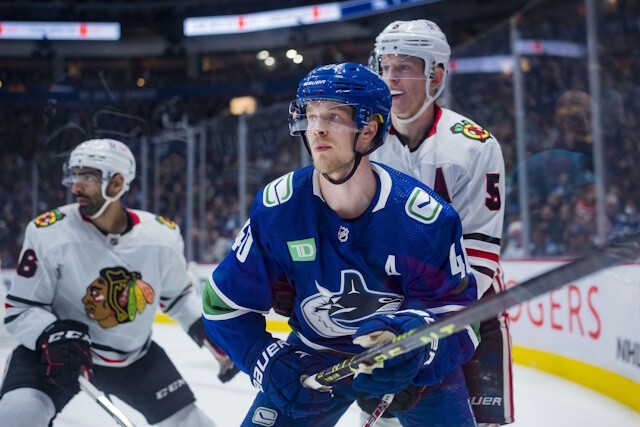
(540, 399)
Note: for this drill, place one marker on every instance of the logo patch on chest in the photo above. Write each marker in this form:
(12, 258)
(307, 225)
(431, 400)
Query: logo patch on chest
(302, 250)
(336, 314)
(343, 234)
(116, 296)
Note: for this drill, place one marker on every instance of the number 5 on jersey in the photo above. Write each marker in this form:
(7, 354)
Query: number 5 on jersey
(459, 263)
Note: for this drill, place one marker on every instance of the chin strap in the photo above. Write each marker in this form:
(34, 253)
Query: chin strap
(413, 118)
(356, 160)
(102, 209)
(428, 101)
(107, 199)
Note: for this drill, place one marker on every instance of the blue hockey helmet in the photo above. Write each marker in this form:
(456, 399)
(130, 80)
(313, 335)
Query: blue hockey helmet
(350, 83)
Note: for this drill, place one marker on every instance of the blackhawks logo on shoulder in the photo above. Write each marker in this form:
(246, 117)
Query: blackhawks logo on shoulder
(48, 218)
(471, 131)
(166, 221)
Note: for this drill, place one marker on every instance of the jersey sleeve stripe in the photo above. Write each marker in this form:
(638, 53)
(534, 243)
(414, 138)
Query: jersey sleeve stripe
(26, 301)
(472, 336)
(476, 253)
(115, 350)
(482, 237)
(483, 262)
(229, 302)
(482, 246)
(9, 319)
(175, 301)
(484, 270)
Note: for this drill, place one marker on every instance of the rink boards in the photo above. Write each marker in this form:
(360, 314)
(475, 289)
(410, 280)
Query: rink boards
(587, 332)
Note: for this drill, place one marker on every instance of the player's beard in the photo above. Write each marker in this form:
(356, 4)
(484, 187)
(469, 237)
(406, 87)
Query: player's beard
(92, 205)
(334, 168)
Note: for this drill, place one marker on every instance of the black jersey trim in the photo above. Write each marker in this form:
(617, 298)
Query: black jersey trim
(484, 270)
(26, 301)
(482, 238)
(10, 319)
(184, 293)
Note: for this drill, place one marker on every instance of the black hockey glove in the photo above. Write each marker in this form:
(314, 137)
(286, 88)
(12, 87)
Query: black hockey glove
(227, 369)
(66, 350)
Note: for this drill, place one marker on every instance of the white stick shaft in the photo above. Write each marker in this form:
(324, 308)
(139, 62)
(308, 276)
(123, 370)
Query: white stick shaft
(104, 402)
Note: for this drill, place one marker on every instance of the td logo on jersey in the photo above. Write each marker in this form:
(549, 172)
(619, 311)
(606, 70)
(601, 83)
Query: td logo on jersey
(335, 314)
(302, 250)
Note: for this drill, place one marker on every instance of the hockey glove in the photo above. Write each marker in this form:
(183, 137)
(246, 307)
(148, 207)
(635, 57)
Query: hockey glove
(227, 369)
(66, 350)
(279, 372)
(423, 366)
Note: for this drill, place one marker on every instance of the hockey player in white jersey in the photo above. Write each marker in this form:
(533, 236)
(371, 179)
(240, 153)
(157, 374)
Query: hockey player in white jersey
(90, 279)
(463, 163)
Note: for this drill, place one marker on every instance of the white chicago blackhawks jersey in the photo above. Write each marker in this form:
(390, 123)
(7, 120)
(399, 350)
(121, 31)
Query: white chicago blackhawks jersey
(69, 269)
(463, 163)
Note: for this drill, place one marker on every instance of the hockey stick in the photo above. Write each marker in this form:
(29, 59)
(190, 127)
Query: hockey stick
(227, 369)
(621, 250)
(104, 402)
(385, 401)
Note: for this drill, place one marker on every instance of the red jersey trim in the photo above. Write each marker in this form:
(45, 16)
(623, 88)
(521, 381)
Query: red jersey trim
(110, 360)
(483, 254)
(134, 217)
(437, 113)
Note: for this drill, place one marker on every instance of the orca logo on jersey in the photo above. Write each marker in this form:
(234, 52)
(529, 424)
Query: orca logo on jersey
(471, 131)
(336, 314)
(116, 295)
(48, 218)
(278, 191)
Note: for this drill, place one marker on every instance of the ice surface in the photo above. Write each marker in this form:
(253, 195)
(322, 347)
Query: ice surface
(540, 399)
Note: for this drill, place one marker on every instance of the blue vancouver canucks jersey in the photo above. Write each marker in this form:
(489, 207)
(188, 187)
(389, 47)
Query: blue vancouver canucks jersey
(404, 252)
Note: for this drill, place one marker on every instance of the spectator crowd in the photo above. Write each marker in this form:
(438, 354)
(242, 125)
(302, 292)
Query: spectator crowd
(37, 131)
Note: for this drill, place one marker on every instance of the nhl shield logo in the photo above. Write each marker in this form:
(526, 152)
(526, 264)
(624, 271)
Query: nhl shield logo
(343, 234)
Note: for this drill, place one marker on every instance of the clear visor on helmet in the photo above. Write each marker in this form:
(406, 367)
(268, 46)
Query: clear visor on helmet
(84, 176)
(321, 115)
(397, 66)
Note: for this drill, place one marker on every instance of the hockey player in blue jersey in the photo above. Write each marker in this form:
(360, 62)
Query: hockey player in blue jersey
(368, 252)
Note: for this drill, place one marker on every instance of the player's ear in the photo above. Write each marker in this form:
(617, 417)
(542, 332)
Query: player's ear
(369, 132)
(371, 129)
(437, 76)
(116, 184)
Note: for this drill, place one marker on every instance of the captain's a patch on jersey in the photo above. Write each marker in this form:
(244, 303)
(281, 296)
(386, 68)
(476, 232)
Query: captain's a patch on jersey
(471, 131)
(166, 221)
(48, 218)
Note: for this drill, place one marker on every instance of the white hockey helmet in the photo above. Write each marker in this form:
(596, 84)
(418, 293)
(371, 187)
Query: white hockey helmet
(420, 38)
(109, 156)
